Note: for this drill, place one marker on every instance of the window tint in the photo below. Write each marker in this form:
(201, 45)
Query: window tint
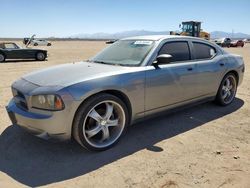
(179, 51)
(203, 51)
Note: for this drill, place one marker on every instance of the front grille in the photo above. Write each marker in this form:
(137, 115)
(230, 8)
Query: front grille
(19, 99)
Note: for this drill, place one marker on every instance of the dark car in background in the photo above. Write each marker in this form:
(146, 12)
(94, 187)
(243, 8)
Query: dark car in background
(10, 50)
(223, 42)
(237, 43)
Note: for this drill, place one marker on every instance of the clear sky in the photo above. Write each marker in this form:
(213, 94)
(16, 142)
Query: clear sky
(63, 18)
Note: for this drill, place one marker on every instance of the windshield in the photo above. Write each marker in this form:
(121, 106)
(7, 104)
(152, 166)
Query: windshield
(125, 53)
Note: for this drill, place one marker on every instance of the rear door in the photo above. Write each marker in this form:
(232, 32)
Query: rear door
(171, 83)
(209, 67)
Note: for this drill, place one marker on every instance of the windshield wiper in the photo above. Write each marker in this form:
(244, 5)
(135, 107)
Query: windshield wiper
(102, 62)
(106, 63)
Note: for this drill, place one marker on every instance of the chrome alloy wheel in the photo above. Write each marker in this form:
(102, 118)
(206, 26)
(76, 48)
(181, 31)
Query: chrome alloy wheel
(104, 124)
(229, 89)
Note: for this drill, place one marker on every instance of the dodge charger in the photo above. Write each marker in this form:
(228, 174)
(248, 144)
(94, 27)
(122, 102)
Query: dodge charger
(133, 78)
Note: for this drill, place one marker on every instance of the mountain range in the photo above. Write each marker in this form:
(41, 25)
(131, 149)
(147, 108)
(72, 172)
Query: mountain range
(118, 35)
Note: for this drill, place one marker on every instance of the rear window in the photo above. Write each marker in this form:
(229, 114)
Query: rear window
(179, 51)
(203, 51)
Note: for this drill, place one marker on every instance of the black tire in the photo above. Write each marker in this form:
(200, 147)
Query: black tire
(221, 92)
(2, 58)
(49, 44)
(40, 56)
(35, 44)
(82, 114)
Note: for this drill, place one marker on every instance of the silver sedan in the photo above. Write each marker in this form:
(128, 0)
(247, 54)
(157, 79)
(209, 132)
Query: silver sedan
(95, 101)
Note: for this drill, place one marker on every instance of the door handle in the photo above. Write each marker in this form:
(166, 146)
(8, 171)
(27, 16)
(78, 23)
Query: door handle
(222, 64)
(190, 69)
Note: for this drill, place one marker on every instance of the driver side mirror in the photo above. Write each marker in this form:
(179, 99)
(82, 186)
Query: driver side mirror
(163, 59)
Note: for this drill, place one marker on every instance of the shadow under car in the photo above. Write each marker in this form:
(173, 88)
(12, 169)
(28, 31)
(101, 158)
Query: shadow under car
(35, 162)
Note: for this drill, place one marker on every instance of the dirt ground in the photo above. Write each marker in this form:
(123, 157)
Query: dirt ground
(203, 146)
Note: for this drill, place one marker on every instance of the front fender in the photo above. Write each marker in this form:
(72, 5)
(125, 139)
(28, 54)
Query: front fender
(131, 85)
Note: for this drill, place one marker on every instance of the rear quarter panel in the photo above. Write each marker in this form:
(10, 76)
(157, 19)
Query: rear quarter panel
(235, 63)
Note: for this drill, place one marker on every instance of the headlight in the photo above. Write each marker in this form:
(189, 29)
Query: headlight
(47, 102)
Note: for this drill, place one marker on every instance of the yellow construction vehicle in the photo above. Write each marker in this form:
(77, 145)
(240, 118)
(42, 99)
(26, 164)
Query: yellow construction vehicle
(192, 28)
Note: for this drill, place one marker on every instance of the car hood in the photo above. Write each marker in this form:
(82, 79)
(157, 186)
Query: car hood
(68, 74)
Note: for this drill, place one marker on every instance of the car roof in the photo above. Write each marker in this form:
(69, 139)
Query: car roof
(159, 37)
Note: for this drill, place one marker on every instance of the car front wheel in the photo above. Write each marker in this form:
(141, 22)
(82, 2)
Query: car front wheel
(40, 56)
(227, 90)
(100, 122)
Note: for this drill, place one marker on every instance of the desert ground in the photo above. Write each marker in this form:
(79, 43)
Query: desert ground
(202, 146)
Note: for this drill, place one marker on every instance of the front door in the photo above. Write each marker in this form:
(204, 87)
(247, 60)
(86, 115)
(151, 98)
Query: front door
(171, 83)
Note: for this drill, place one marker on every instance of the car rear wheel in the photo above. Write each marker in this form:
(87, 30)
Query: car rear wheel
(49, 44)
(227, 90)
(100, 122)
(35, 44)
(40, 56)
(2, 58)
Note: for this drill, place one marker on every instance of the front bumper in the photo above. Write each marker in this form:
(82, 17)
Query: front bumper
(51, 126)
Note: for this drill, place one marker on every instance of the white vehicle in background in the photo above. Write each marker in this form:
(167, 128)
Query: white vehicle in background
(246, 40)
(40, 42)
(35, 42)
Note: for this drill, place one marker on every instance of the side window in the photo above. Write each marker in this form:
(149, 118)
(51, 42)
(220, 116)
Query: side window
(10, 46)
(179, 50)
(203, 51)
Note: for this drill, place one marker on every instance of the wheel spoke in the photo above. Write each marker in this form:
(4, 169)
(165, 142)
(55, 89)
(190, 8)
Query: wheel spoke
(94, 114)
(227, 83)
(94, 131)
(112, 123)
(105, 133)
(224, 95)
(109, 111)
